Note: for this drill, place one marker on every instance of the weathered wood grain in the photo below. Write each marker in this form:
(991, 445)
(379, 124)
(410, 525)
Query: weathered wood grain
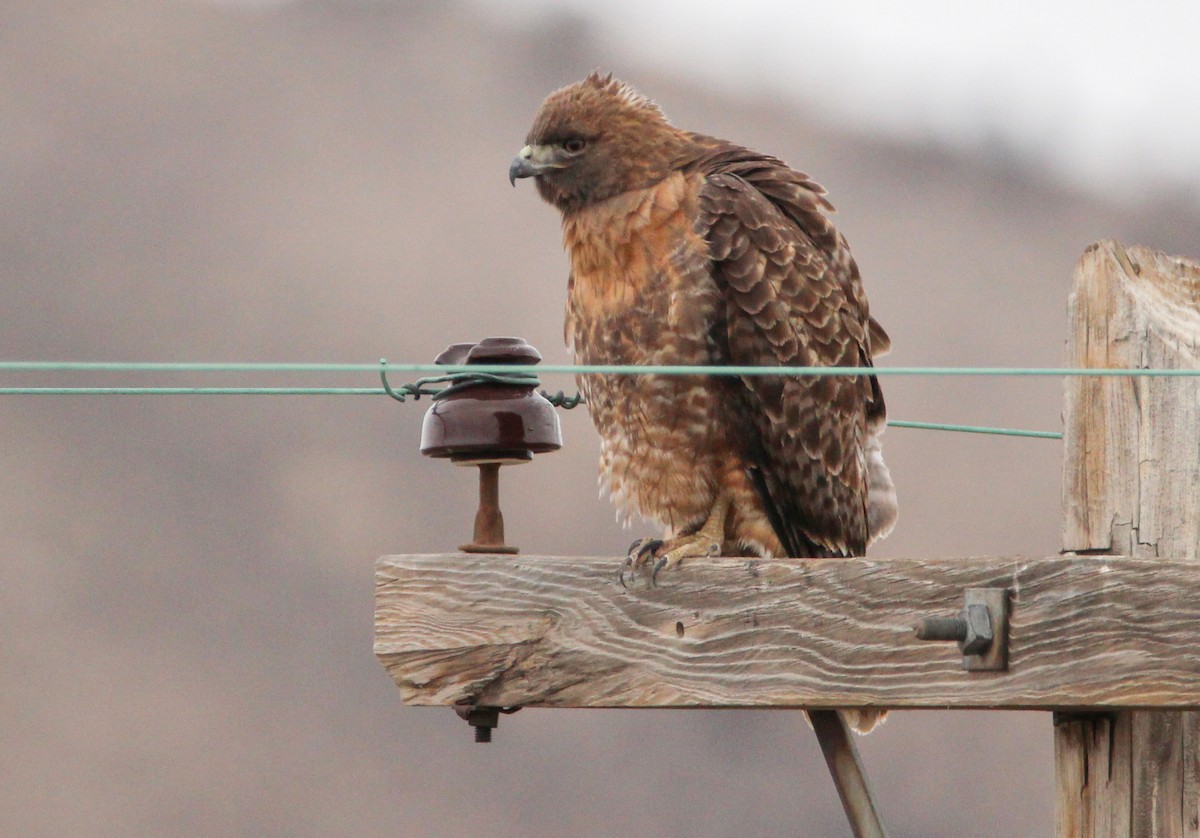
(561, 632)
(1132, 448)
(1131, 485)
(1093, 773)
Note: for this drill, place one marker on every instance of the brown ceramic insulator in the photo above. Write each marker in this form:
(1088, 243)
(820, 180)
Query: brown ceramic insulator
(501, 351)
(491, 422)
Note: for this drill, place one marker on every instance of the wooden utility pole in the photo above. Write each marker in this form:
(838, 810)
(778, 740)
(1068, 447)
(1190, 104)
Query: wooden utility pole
(1131, 487)
(1107, 634)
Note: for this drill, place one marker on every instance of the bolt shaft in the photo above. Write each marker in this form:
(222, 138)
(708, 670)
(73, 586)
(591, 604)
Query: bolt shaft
(942, 628)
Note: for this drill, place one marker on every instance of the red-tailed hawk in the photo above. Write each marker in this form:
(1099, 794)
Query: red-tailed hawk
(686, 249)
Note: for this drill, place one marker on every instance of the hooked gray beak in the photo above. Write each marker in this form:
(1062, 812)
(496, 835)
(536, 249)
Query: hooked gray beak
(531, 161)
(520, 167)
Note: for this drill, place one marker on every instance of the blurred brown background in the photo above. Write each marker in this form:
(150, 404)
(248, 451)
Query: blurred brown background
(186, 583)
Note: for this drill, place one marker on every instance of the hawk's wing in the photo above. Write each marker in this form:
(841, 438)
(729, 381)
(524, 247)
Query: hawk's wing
(793, 296)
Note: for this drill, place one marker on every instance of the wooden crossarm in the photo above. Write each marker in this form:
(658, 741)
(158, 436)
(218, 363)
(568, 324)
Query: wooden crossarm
(1087, 632)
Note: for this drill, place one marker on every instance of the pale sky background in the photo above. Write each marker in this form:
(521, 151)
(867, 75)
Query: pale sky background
(1104, 94)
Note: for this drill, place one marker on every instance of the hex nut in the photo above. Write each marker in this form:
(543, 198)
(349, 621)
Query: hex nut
(979, 630)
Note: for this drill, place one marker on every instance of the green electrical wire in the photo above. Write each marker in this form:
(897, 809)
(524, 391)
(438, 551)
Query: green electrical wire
(973, 429)
(625, 369)
(182, 366)
(192, 391)
(457, 377)
(584, 369)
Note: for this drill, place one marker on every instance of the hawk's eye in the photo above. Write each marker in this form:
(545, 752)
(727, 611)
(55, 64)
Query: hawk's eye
(574, 145)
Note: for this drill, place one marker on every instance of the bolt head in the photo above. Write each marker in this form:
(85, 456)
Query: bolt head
(979, 630)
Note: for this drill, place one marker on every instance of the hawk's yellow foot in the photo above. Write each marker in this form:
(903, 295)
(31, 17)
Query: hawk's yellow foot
(666, 553)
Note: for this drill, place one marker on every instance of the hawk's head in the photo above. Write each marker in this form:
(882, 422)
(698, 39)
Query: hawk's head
(595, 139)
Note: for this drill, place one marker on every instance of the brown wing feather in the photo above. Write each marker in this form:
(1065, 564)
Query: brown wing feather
(793, 297)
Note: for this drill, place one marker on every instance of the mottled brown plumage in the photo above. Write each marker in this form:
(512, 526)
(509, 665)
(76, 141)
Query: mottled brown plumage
(686, 249)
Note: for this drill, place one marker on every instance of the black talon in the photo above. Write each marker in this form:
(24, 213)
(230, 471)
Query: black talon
(639, 553)
(658, 565)
(647, 548)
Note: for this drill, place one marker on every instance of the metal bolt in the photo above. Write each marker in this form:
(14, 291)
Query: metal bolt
(972, 629)
(980, 629)
(942, 628)
(483, 719)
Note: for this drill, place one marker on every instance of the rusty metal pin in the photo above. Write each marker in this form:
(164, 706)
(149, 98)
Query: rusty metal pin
(489, 521)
